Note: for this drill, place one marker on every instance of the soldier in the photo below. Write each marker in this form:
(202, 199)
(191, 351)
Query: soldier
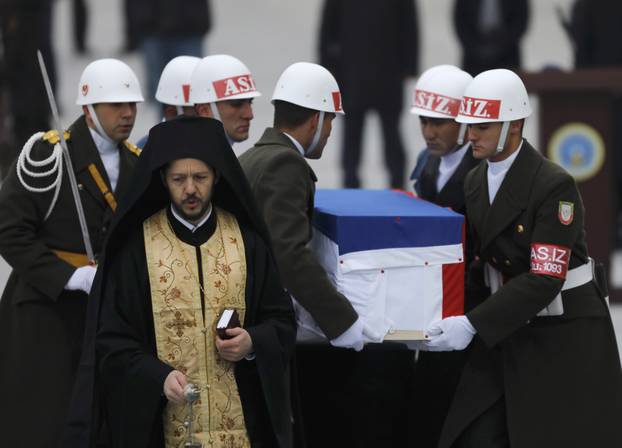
(436, 101)
(440, 179)
(173, 91)
(222, 87)
(43, 307)
(543, 367)
(306, 101)
(365, 387)
(174, 87)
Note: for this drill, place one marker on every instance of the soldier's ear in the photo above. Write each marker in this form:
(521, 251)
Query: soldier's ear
(203, 110)
(516, 127)
(315, 120)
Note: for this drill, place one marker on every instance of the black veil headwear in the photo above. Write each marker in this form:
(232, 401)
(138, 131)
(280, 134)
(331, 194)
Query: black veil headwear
(186, 137)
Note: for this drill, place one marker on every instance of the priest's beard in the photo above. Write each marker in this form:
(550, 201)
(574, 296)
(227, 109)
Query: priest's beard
(193, 216)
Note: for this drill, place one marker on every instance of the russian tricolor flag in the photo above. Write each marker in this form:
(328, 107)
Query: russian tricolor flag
(398, 259)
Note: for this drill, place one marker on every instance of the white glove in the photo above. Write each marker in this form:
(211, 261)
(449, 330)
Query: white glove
(82, 279)
(352, 337)
(370, 335)
(451, 333)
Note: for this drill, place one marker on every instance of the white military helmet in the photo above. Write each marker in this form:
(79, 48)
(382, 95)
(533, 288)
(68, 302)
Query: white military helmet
(221, 77)
(311, 86)
(174, 85)
(108, 81)
(495, 96)
(439, 90)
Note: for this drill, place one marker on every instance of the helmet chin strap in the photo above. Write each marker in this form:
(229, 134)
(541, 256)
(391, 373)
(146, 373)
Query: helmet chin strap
(98, 126)
(461, 134)
(214, 108)
(316, 134)
(503, 136)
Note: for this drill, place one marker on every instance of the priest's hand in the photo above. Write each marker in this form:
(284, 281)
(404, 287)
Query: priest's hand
(174, 385)
(237, 346)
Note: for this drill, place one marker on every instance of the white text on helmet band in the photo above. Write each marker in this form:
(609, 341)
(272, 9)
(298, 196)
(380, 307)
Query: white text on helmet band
(234, 86)
(480, 108)
(437, 103)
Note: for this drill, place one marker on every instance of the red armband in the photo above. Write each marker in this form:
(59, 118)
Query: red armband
(548, 259)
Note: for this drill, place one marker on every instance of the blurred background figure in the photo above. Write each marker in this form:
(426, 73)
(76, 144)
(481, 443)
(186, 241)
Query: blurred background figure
(80, 24)
(371, 47)
(7, 139)
(490, 32)
(130, 32)
(595, 29)
(26, 26)
(164, 29)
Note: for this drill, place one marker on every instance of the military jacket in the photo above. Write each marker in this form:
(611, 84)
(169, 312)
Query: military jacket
(559, 376)
(284, 188)
(27, 241)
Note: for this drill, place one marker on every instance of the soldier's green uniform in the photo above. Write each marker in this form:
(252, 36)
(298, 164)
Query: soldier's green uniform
(555, 380)
(41, 323)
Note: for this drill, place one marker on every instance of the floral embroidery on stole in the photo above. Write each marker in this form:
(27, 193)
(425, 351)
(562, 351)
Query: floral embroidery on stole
(185, 339)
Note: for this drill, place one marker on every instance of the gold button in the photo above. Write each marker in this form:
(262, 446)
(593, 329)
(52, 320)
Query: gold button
(508, 263)
(204, 330)
(520, 228)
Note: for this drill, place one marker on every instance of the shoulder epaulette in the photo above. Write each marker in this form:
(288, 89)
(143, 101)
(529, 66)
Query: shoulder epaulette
(53, 137)
(132, 148)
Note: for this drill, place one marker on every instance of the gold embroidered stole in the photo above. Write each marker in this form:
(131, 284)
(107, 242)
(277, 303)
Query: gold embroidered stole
(185, 338)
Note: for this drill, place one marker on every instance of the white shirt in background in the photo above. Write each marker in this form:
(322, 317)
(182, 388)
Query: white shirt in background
(449, 164)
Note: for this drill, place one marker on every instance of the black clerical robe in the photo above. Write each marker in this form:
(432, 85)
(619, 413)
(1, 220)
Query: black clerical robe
(132, 376)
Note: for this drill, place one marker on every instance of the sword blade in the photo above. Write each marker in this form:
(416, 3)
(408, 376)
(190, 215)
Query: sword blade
(70, 173)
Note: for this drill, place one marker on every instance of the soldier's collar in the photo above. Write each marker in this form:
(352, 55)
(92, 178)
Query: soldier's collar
(496, 168)
(103, 146)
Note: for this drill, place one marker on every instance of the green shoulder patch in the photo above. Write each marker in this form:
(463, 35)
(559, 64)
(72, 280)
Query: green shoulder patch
(565, 212)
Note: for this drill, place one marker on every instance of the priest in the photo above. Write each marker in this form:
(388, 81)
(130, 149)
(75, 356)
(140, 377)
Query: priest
(188, 244)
